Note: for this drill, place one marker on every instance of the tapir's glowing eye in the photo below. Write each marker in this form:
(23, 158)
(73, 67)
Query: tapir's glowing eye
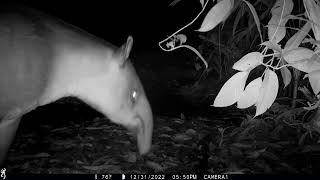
(134, 96)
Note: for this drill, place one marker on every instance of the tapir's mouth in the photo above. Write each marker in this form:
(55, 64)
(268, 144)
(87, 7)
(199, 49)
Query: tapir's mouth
(144, 134)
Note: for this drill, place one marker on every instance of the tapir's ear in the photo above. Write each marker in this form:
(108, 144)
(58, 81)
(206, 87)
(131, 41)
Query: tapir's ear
(125, 50)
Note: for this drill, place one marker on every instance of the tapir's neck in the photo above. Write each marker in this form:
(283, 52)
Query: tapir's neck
(70, 69)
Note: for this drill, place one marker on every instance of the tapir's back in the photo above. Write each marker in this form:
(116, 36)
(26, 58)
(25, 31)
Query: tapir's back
(29, 42)
(24, 61)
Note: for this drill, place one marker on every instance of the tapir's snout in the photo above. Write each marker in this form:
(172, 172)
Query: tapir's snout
(144, 131)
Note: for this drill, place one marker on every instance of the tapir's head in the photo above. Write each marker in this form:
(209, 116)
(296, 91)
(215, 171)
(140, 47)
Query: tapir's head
(123, 99)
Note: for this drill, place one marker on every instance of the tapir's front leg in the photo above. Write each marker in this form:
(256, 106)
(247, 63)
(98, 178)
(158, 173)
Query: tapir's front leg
(8, 127)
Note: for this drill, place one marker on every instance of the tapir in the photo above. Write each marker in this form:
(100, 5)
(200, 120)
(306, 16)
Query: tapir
(43, 59)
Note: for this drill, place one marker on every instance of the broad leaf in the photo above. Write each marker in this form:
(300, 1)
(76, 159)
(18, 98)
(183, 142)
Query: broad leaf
(297, 54)
(173, 3)
(231, 90)
(248, 62)
(302, 59)
(202, 2)
(216, 15)
(268, 92)
(307, 66)
(313, 12)
(297, 38)
(276, 28)
(286, 76)
(314, 79)
(251, 94)
(282, 7)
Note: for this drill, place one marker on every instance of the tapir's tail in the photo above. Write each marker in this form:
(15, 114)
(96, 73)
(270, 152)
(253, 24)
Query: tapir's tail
(8, 130)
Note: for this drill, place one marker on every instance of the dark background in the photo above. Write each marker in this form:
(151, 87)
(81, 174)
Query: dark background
(147, 21)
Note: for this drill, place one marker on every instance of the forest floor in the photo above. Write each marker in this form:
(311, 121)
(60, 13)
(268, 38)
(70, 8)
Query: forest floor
(182, 144)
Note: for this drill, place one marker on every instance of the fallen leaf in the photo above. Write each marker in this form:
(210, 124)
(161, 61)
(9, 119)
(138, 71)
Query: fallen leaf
(181, 137)
(157, 167)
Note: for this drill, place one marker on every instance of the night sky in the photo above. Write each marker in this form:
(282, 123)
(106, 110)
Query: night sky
(147, 21)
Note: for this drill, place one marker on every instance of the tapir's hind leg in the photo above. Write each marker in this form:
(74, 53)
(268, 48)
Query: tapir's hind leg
(8, 127)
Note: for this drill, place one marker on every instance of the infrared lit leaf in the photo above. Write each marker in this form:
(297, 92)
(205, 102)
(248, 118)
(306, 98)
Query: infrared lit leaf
(173, 3)
(314, 79)
(268, 92)
(307, 66)
(251, 94)
(231, 90)
(302, 59)
(297, 38)
(248, 62)
(276, 26)
(202, 3)
(216, 15)
(182, 38)
(271, 45)
(282, 7)
(276, 29)
(286, 76)
(313, 12)
(297, 54)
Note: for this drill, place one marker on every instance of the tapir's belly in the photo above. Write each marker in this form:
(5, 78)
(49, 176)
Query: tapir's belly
(24, 69)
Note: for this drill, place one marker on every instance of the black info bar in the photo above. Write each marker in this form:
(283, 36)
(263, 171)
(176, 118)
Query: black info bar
(157, 177)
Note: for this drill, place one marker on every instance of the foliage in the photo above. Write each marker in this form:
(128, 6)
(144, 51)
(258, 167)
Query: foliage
(281, 50)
